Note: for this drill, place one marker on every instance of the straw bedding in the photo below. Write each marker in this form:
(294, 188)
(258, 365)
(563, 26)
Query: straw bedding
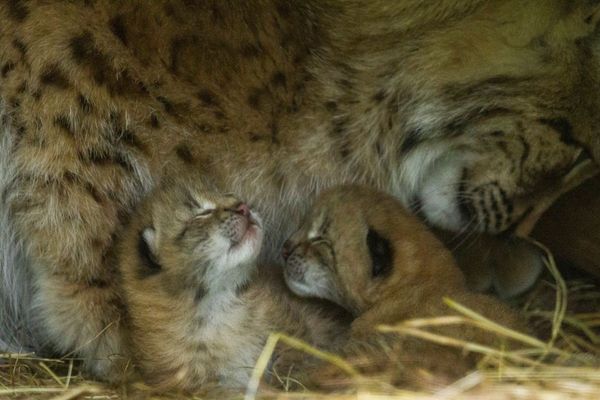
(561, 362)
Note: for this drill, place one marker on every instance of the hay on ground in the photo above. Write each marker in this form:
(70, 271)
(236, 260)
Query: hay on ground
(562, 362)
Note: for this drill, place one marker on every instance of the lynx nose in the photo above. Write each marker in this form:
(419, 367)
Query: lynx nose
(243, 209)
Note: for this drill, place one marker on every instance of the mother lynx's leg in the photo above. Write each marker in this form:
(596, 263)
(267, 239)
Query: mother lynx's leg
(16, 333)
(68, 228)
(74, 185)
(68, 240)
(83, 318)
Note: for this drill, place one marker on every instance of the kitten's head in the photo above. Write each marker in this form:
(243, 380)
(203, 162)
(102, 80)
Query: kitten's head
(197, 236)
(358, 247)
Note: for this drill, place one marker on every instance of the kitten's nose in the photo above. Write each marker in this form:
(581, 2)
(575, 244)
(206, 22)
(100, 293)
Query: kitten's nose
(243, 209)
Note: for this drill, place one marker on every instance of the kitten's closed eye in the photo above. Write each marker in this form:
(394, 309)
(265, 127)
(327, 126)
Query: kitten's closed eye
(381, 252)
(198, 208)
(204, 213)
(319, 240)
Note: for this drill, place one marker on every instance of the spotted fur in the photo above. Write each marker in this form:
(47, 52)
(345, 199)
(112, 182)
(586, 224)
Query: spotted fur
(463, 107)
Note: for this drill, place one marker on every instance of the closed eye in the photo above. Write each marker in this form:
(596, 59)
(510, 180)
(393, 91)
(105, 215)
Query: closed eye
(196, 208)
(199, 215)
(320, 240)
(381, 252)
(204, 213)
(323, 251)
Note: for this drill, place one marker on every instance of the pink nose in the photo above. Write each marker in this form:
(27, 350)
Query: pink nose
(243, 210)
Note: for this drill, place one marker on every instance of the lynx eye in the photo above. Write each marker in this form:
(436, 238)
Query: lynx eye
(318, 240)
(322, 250)
(205, 213)
(197, 209)
(381, 252)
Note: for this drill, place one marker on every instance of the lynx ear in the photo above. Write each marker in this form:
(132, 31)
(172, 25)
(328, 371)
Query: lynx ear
(149, 236)
(147, 250)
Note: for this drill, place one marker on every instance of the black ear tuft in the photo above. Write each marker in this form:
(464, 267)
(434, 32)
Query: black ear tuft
(148, 262)
(381, 252)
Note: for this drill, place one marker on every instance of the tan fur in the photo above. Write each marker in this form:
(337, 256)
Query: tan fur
(465, 108)
(196, 319)
(330, 257)
(508, 265)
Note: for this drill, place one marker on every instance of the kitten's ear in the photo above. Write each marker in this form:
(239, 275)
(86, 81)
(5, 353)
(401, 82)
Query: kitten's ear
(147, 252)
(149, 236)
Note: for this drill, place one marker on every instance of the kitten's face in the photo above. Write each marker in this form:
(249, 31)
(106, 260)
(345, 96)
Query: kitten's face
(358, 246)
(201, 237)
